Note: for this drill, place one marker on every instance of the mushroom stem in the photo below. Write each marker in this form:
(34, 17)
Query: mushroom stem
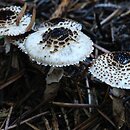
(54, 75)
(32, 19)
(52, 83)
(118, 92)
(118, 108)
(20, 15)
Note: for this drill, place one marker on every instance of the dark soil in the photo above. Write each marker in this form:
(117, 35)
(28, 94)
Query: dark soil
(23, 92)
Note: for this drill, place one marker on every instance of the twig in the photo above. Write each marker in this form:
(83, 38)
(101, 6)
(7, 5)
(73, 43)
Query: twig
(55, 124)
(107, 5)
(101, 48)
(89, 92)
(32, 126)
(112, 33)
(111, 16)
(125, 14)
(2, 124)
(96, 52)
(8, 118)
(61, 8)
(73, 105)
(107, 118)
(47, 124)
(19, 17)
(29, 119)
(79, 93)
(76, 114)
(12, 79)
(29, 27)
(87, 123)
(65, 118)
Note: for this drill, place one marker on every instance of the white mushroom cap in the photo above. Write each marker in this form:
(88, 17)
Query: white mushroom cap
(67, 23)
(113, 69)
(8, 16)
(18, 41)
(59, 45)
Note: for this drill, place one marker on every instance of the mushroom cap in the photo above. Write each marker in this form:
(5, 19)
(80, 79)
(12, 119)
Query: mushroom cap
(18, 41)
(8, 16)
(113, 68)
(59, 45)
(67, 23)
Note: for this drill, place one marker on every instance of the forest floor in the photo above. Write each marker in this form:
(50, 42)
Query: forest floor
(78, 101)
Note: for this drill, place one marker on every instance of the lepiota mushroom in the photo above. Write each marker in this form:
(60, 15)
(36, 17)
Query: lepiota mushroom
(114, 69)
(8, 17)
(60, 42)
(57, 43)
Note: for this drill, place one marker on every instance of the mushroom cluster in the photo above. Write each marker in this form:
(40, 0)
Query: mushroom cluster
(57, 42)
(8, 25)
(60, 42)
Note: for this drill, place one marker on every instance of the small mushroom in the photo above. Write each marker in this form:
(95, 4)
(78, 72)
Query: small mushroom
(114, 69)
(8, 17)
(59, 42)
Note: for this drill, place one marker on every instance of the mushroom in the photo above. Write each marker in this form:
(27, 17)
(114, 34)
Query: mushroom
(8, 17)
(59, 42)
(114, 69)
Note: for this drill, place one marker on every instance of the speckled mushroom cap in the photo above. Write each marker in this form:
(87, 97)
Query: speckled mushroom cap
(61, 44)
(8, 16)
(67, 23)
(113, 68)
(18, 41)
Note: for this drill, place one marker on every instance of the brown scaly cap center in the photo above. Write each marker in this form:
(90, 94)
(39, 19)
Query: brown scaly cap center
(57, 34)
(58, 37)
(122, 58)
(6, 14)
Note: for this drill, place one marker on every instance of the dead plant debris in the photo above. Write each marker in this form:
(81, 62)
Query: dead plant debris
(76, 101)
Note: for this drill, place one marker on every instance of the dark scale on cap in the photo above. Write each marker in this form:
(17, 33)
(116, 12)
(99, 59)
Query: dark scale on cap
(5, 14)
(61, 43)
(45, 36)
(55, 42)
(13, 16)
(56, 46)
(67, 39)
(57, 20)
(58, 33)
(58, 37)
(74, 32)
(122, 57)
(49, 43)
(55, 50)
(41, 42)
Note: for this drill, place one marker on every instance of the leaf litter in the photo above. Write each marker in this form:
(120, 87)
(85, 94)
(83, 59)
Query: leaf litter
(74, 100)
